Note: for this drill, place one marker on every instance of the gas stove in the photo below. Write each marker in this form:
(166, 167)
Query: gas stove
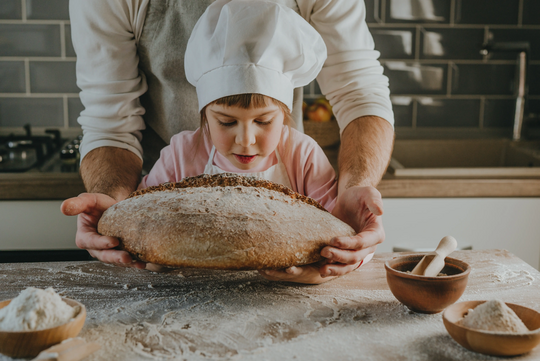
(49, 152)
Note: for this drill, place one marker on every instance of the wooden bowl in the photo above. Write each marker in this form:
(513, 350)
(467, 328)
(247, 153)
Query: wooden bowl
(493, 342)
(426, 294)
(19, 344)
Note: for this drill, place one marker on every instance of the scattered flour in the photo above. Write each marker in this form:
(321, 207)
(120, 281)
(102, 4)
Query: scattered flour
(35, 309)
(494, 315)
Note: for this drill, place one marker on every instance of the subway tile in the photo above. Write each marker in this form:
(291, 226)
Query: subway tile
(448, 113)
(418, 11)
(499, 113)
(403, 111)
(534, 109)
(38, 112)
(395, 43)
(534, 79)
(452, 43)
(12, 79)
(531, 11)
(47, 9)
(10, 9)
(487, 12)
(414, 78)
(517, 35)
(75, 107)
(490, 79)
(53, 77)
(70, 52)
(29, 40)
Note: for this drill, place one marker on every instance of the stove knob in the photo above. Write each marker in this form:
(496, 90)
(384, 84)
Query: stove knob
(68, 156)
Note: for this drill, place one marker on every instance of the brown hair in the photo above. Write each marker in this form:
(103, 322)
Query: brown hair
(246, 101)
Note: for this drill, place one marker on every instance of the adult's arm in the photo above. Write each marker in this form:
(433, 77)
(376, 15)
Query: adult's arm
(352, 80)
(105, 35)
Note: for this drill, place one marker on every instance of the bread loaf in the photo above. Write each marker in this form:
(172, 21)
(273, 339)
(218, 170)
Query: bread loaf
(223, 221)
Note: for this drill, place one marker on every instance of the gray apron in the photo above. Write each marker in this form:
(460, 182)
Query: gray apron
(171, 101)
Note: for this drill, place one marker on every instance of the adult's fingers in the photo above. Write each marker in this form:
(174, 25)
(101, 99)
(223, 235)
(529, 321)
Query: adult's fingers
(116, 257)
(373, 200)
(90, 203)
(337, 269)
(287, 274)
(371, 236)
(346, 256)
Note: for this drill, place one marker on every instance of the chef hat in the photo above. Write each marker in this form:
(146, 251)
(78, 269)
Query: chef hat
(246, 46)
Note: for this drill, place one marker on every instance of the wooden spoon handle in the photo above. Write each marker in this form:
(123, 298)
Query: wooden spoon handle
(446, 246)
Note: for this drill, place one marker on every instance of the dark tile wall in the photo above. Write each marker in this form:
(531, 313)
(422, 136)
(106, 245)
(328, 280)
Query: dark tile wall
(439, 80)
(429, 50)
(37, 65)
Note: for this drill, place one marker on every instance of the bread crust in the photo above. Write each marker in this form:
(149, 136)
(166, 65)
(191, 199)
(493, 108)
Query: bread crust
(223, 221)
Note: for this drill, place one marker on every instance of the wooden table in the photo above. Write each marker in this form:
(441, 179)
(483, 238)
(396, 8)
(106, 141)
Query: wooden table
(201, 314)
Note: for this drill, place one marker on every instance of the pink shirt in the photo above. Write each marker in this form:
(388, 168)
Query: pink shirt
(308, 168)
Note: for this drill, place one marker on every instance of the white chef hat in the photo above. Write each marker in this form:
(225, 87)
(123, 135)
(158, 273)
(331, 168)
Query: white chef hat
(247, 46)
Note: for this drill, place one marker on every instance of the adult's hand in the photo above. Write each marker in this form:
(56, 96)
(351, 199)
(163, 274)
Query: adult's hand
(361, 208)
(308, 274)
(89, 207)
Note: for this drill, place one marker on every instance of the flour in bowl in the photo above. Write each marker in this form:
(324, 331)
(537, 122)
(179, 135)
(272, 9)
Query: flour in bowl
(36, 309)
(494, 315)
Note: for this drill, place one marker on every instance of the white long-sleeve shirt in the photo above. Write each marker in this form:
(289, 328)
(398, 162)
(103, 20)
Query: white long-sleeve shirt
(106, 33)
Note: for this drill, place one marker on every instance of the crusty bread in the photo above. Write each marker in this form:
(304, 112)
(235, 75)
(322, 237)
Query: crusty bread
(223, 221)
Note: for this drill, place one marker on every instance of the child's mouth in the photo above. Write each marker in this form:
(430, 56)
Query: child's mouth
(245, 159)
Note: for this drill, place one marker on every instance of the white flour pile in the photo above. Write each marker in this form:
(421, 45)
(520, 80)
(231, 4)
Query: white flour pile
(494, 315)
(35, 309)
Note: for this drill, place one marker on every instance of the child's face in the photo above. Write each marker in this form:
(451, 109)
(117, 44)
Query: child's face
(245, 136)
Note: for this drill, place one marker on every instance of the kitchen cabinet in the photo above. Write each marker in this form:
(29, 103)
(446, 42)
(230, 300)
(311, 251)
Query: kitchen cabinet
(483, 223)
(35, 225)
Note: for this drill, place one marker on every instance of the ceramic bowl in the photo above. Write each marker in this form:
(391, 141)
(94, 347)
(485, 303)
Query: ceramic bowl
(492, 342)
(18, 344)
(426, 294)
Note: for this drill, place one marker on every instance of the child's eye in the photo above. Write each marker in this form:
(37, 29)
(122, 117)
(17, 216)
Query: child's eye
(226, 124)
(264, 122)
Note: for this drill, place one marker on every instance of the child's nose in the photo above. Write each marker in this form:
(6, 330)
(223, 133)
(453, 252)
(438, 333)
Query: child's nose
(246, 137)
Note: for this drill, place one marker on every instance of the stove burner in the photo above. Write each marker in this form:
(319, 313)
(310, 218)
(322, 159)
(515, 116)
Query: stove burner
(20, 153)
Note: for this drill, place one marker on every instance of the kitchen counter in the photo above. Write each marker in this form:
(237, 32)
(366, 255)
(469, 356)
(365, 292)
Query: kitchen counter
(203, 314)
(38, 186)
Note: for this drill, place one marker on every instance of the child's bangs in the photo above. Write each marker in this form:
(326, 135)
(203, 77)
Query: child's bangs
(246, 101)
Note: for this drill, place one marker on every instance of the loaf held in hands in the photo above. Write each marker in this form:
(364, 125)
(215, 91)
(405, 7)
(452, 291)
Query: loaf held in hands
(223, 221)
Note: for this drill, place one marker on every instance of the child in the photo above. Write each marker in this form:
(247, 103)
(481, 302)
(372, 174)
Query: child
(245, 58)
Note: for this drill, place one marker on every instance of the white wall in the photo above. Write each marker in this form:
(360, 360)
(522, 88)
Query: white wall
(485, 223)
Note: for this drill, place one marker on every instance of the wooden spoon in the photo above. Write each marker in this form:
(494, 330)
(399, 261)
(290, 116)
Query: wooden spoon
(433, 263)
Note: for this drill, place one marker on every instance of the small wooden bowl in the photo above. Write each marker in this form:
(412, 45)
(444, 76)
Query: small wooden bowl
(492, 342)
(426, 294)
(19, 344)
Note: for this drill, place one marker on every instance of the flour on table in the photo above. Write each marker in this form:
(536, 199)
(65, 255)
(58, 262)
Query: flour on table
(36, 309)
(494, 315)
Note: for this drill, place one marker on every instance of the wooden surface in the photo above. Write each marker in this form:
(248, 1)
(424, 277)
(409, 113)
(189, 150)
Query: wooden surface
(202, 314)
(38, 186)
(59, 186)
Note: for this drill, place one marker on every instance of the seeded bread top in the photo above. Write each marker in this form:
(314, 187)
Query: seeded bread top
(227, 180)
